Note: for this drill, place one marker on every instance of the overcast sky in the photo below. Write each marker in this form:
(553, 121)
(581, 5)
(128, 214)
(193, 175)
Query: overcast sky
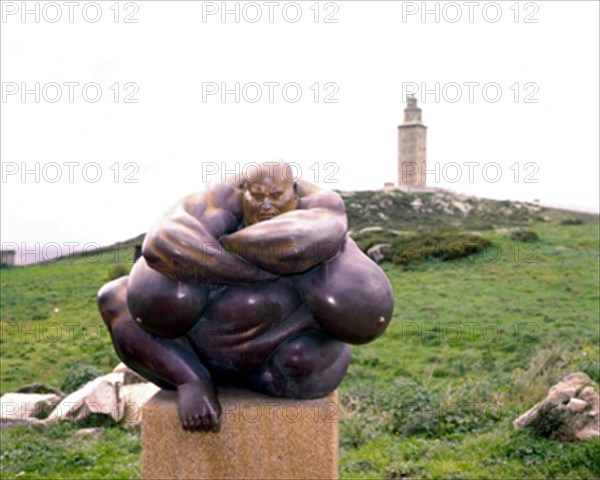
(118, 110)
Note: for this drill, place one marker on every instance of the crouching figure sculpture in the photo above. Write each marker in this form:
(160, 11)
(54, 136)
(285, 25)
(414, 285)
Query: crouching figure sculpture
(252, 283)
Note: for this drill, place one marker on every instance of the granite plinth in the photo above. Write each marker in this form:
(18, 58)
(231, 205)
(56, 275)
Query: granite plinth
(261, 437)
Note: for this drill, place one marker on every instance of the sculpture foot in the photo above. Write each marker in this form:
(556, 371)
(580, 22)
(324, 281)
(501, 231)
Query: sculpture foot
(199, 407)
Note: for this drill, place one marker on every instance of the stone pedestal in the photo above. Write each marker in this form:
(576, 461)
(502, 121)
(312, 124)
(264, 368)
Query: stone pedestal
(261, 437)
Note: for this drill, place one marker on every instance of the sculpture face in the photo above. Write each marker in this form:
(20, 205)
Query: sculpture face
(268, 196)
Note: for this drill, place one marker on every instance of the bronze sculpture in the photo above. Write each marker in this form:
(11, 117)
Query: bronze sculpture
(254, 283)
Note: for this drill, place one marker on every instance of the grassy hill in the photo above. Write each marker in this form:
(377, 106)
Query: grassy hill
(400, 210)
(472, 344)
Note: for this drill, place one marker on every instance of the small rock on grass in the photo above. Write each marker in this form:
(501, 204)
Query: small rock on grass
(569, 413)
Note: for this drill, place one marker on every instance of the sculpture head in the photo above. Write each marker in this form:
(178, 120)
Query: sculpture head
(268, 191)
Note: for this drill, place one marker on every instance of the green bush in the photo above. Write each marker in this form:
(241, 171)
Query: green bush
(117, 270)
(524, 236)
(572, 221)
(409, 409)
(593, 370)
(422, 245)
(76, 375)
(560, 459)
(366, 239)
(356, 431)
(427, 413)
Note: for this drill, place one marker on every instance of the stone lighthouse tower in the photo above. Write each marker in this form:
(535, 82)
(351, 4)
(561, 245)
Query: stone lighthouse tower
(412, 147)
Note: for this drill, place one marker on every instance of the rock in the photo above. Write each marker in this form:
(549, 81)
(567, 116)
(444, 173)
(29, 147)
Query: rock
(376, 253)
(416, 204)
(576, 405)
(25, 408)
(371, 229)
(119, 394)
(129, 376)
(569, 413)
(464, 208)
(100, 396)
(135, 396)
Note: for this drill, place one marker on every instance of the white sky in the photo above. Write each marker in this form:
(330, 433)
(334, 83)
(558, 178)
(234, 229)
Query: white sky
(370, 55)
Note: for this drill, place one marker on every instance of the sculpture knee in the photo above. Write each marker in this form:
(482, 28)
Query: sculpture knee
(310, 352)
(309, 366)
(125, 334)
(112, 301)
(162, 306)
(295, 356)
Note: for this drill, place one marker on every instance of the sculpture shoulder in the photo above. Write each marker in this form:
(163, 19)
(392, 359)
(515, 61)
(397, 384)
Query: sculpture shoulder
(216, 198)
(311, 196)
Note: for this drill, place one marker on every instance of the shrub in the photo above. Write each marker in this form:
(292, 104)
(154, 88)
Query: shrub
(524, 236)
(78, 374)
(407, 408)
(117, 270)
(560, 460)
(593, 370)
(572, 221)
(356, 430)
(423, 245)
(367, 238)
(425, 412)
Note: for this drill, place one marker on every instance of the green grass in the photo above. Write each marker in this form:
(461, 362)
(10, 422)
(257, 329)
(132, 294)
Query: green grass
(55, 453)
(38, 342)
(473, 343)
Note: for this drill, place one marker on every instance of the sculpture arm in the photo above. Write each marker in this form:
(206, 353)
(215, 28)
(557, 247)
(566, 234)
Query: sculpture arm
(298, 240)
(184, 244)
